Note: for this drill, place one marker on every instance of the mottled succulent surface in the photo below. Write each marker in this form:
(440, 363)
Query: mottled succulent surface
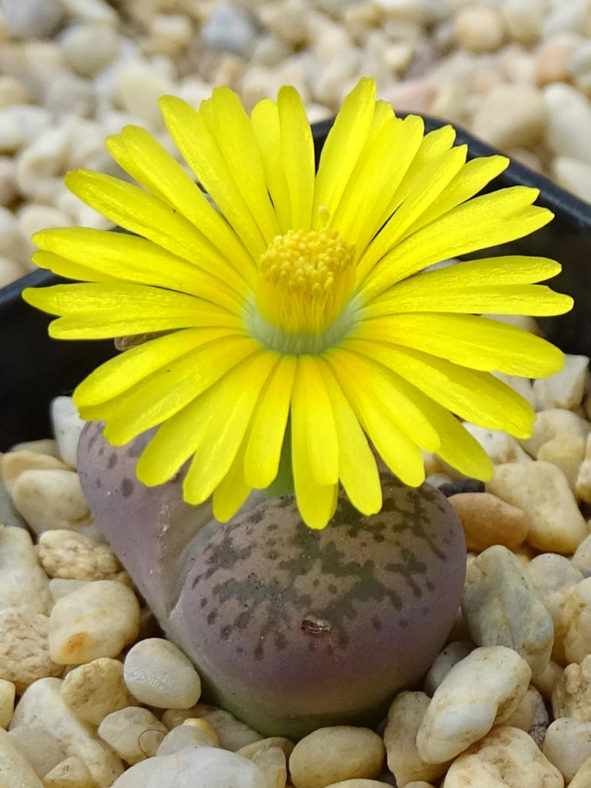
(290, 628)
(295, 628)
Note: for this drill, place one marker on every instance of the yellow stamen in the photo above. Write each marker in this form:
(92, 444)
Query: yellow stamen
(305, 280)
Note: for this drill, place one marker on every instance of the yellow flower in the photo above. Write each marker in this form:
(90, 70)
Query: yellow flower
(295, 306)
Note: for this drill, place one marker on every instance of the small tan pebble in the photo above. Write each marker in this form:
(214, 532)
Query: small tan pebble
(444, 662)
(74, 556)
(530, 712)
(23, 583)
(42, 705)
(187, 736)
(272, 741)
(564, 389)
(417, 784)
(42, 446)
(96, 621)
(507, 757)
(361, 783)
(524, 20)
(272, 763)
(232, 733)
(339, 752)
(479, 28)
(567, 453)
(13, 92)
(88, 48)
(582, 778)
(17, 461)
(488, 520)
(411, 95)
(50, 499)
(548, 679)
(42, 750)
(568, 745)
(573, 629)
(503, 609)
(522, 386)
(464, 707)
(583, 482)
(139, 86)
(72, 772)
(511, 116)
(571, 696)
(7, 695)
(541, 489)
(134, 733)
(158, 674)
(405, 716)
(24, 653)
(552, 61)
(581, 559)
(15, 770)
(96, 689)
(10, 270)
(499, 445)
(552, 422)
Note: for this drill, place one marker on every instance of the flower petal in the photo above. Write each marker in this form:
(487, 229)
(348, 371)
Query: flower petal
(233, 490)
(111, 309)
(399, 452)
(169, 389)
(200, 150)
(357, 466)
(472, 395)
(133, 259)
(222, 426)
(232, 130)
(266, 435)
(485, 221)
(297, 156)
(469, 340)
(343, 147)
(316, 502)
(182, 434)
(380, 169)
(312, 416)
(140, 155)
(121, 372)
(265, 123)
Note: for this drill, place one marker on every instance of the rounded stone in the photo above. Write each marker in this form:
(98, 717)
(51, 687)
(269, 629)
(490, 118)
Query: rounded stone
(292, 629)
(158, 674)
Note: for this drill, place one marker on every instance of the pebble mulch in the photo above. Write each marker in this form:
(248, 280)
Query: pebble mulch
(515, 72)
(92, 695)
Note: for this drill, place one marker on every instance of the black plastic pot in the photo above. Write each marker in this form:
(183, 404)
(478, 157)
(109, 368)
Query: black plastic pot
(35, 368)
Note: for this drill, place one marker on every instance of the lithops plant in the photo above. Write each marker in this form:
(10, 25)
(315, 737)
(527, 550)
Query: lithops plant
(290, 628)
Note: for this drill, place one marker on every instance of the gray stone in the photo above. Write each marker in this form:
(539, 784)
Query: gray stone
(502, 609)
(230, 29)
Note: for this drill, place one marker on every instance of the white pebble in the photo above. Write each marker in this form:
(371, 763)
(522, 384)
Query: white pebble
(571, 695)
(500, 446)
(134, 733)
(569, 122)
(138, 88)
(42, 750)
(188, 736)
(20, 125)
(159, 674)
(482, 689)
(23, 583)
(479, 28)
(567, 745)
(40, 168)
(564, 389)
(98, 620)
(13, 91)
(88, 48)
(67, 426)
(52, 499)
(573, 175)
(195, 767)
(10, 270)
(91, 10)
(583, 482)
(230, 28)
(43, 705)
(15, 770)
(511, 116)
(444, 662)
(32, 18)
(72, 772)
(24, 655)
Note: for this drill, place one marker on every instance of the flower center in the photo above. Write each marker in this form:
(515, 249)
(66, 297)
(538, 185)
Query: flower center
(305, 281)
